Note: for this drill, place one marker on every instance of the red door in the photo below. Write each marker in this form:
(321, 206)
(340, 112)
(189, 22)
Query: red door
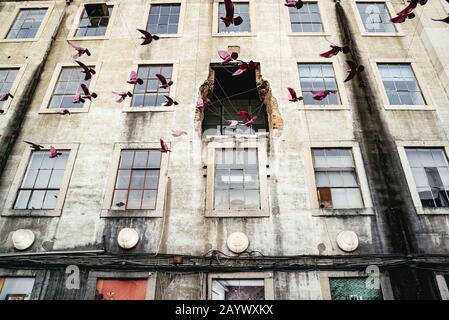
(121, 289)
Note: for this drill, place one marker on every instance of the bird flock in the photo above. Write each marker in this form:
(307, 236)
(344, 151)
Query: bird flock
(227, 58)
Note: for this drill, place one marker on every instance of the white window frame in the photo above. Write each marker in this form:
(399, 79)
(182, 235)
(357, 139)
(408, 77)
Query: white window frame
(54, 79)
(399, 30)
(77, 19)
(126, 104)
(15, 85)
(266, 276)
(443, 286)
(259, 142)
(215, 21)
(359, 170)
(9, 210)
(39, 279)
(285, 17)
(339, 78)
(158, 212)
(402, 145)
(182, 14)
(420, 80)
(12, 18)
(385, 284)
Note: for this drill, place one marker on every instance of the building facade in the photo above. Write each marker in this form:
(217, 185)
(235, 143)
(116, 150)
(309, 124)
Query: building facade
(342, 198)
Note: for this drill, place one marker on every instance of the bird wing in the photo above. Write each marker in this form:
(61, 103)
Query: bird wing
(145, 33)
(85, 89)
(245, 115)
(224, 54)
(292, 93)
(82, 65)
(229, 9)
(133, 76)
(161, 79)
(169, 100)
(74, 46)
(352, 65)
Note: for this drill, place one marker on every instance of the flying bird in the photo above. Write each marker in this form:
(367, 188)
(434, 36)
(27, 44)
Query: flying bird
(229, 19)
(164, 82)
(164, 147)
(334, 51)
(34, 146)
(245, 115)
(120, 204)
(63, 112)
(294, 4)
(227, 57)
(233, 123)
(122, 95)
(251, 122)
(170, 102)
(133, 79)
(87, 94)
(5, 96)
(445, 20)
(244, 66)
(354, 68)
(2, 112)
(88, 71)
(77, 98)
(147, 37)
(407, 11)
(200, 104)
(178, 133)
(79, 50)
(54, 153)
(321, 94)
(293, 96)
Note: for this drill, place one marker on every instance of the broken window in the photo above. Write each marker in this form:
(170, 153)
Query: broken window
(121, 289)
(353, 288)
(240, 9)
(306, 19)
(42, 181)
(164, 18)
(375, 17)
(68, 84)
(230, 289)
(7, 77)
(137, 180)
(318, 76)
(400, 84)
(149, 94)
(236, 179)
(336, 179)
(431, 175)
(16, 288)
(94, 20)
(230, 95)
(27, 24)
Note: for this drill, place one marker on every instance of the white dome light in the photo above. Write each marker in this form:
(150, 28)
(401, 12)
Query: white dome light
(237, 242)
(127, 238)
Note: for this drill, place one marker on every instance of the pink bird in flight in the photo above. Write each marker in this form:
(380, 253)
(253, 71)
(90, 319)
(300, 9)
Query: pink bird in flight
(5, 96)
(294, 4)
(164, 146)
(178, 132)
(321, 94)
(244, 66)
(293, 97)
(200, 104)
(79, 50)
(227, 57)
(54, 153)
(122, 95)
(133, 79)
(87, 94)
(334, 51)
(229, 18)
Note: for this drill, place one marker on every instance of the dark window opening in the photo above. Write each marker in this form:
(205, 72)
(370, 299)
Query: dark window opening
(94, 20)
(231, 94)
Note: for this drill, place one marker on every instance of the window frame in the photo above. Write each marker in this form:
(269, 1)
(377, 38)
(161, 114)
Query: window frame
(95, 275)
(126, 104)
(216, 18)
(39, 278)
(442, 284)
(339, 78)
(108, 194)
(391, 11)
(4, 30)
(52, 85)
(368, 208)
(9, 210)
(15, 85)
(268, 278)
(419, 80)
(384, 281)
(77, 18)
(257, 141)
(182, 14)
(323, 16)
(401, 146)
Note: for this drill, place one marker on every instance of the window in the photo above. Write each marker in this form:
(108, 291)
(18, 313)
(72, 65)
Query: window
(236, 179)
(27, 23)
(164, 18)
(94, 20)
(430, 171)
(306, 19)
(68, 84)
(42, 181)
(240, 9)
(7, 77)
(318, 76)
(16, 288)
(238, 289)
(375, 17)
(336, 179)
(400, 84)
(353, 288)
(121, 289)
(149, 94)
(137, 181)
